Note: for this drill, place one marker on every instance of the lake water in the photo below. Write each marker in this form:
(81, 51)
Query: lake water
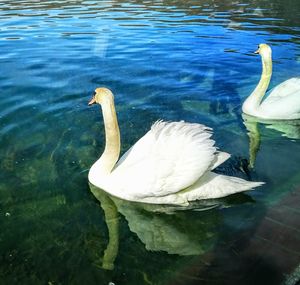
(171, 60)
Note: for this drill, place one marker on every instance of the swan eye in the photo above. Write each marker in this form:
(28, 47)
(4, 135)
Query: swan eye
(95, 93)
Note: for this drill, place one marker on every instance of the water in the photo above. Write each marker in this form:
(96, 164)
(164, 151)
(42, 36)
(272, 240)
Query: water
(172, 60)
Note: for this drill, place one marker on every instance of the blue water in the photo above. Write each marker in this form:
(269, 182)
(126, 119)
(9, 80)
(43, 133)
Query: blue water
(171, 60)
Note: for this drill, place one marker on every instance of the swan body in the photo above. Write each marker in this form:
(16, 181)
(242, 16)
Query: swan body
(170, 164)
(282, 102)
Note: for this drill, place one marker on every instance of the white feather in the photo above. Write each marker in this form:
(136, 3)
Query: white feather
(287, 88)
(170, 164)
(283, 101)
(171, 157)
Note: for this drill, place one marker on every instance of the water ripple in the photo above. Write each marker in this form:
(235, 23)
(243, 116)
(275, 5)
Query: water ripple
(173, 60)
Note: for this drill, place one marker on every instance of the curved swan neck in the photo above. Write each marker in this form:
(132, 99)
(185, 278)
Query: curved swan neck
(253, 101)
(111, 152)
(265, 78)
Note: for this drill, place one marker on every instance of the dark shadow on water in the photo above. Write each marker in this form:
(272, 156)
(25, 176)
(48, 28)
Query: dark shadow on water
(257, 127)
(193, 232)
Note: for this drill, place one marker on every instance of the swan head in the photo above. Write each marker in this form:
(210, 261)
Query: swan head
(101, 95)
(264, 50)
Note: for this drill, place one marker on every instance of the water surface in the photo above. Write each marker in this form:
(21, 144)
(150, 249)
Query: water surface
(171, 60)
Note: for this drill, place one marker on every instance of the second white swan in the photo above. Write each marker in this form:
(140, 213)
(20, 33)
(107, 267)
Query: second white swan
(283, 102)
(171, 164)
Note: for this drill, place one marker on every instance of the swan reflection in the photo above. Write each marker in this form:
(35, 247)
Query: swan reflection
(286, 128)
(160, 227)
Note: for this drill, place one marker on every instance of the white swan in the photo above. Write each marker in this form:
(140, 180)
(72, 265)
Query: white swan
(170, 164)
(283, 102)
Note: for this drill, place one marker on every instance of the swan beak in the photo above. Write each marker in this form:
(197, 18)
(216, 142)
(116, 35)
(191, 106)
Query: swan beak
(257, 51)
(92, 101)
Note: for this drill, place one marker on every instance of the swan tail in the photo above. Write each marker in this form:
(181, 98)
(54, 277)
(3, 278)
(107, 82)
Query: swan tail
(211, 186)
(220, 157)
(214, 186)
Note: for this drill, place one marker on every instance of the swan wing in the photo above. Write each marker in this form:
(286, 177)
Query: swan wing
(220, 157)
(213, 185)
(169, 158)
(284, 101)
(283, 90)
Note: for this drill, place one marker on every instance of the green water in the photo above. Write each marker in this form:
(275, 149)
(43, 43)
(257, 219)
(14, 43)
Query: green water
(172, 60)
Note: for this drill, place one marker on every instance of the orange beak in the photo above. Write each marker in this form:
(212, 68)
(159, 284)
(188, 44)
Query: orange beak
(257, 52)
(92, 101)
